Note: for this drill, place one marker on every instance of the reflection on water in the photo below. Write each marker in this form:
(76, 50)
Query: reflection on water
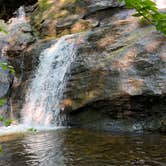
(76, 147)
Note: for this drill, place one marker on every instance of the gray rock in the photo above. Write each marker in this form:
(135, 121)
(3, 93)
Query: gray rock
(12, 46)
(119, 73)
(96, 5)
(6, 79)
(67, 22)
(67, 13)
(118, 79)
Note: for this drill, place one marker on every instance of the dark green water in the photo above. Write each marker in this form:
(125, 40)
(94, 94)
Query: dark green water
(76, 147)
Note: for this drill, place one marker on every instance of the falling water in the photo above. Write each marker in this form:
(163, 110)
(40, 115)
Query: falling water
(21, 12)
(17, 21)
(13, 25)
(42, 104)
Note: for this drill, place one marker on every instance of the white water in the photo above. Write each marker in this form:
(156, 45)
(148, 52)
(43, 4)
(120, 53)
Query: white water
(42, 102)
(20, 128)
(42, 105)
(12, 27)
(19, 19)
(15, 24)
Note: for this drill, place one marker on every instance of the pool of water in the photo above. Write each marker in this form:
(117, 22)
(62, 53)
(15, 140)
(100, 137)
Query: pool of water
(79, 147)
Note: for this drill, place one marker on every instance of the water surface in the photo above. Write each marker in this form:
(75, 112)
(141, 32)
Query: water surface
(77, 147)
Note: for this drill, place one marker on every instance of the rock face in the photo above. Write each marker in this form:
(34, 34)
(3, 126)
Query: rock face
(6, 79)
(118, 79)
(69, 16)
(118, 60)
(119, 76)
(13, 45)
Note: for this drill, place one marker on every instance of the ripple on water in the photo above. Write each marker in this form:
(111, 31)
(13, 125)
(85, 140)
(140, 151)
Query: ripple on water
(76, 147)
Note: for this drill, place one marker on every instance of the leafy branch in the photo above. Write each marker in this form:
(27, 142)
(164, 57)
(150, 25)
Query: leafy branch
(148, 11)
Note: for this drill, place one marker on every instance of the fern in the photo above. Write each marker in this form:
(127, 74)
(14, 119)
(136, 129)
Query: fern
(149, 11)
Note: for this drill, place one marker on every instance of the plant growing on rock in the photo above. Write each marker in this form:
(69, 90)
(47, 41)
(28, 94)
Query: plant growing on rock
(0, 148)
(5, 67)
(2, 102)
(32, 130)
(2, 29)
(8, 122)
(148, 11)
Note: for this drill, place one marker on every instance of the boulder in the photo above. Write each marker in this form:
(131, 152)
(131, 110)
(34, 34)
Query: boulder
(119, 75)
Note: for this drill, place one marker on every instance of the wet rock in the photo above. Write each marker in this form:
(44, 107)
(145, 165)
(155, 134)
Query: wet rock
(83, 25)
(12, 47)
(120, 68)
(25, 64)
(67, 22)
(118, 79)
(68, 14)
(96, 5)
(19, 36)
(6, 79)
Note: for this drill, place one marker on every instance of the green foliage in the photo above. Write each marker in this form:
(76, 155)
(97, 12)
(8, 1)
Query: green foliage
(43, 4)
(1, 118)
(2, 29)
(5, 67)
(2, 102)
(32, 130)
(8, 122)
(0, 148)
(148, 10)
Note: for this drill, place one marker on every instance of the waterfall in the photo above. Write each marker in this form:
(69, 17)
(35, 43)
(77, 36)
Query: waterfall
(42, 101)
(21, 12)
(18, 20)
(42, 105)
(13, 25)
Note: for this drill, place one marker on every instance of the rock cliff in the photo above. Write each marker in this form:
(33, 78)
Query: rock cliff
(118, 79)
